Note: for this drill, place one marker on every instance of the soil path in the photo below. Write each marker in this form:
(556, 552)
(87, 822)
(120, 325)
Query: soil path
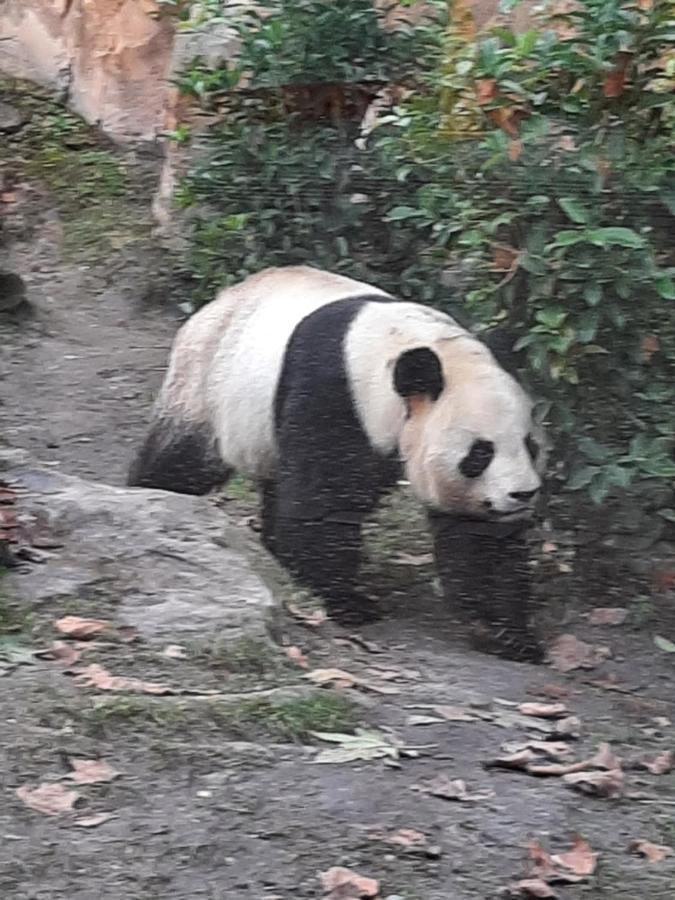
(220, 798)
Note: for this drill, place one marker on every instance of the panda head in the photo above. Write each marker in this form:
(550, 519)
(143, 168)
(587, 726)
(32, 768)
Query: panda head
(469, 442)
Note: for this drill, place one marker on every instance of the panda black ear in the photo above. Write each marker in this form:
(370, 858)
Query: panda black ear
(418, 372)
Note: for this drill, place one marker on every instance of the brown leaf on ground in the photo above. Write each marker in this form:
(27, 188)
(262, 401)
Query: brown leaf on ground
(532, 887)
(296, 656)
(93, 821)
(454, 713)
(544, 710)
(569, 727)
(341, 679)
(556, 750)
(608, 615)
(339, 883)
(313, 619)
(91, 771)
(567, 653)
(554, 691)
(486, 90)
(611, 683)
(520, 760)
(598, 784)
(655, 853)
(542, 865)
(62, 652)
(98, 677)
(659, 765)
(48, 799)
(407, 838)
(175, 651)
(451, 789)
(82, 629)
(580, 860)
(605, 758)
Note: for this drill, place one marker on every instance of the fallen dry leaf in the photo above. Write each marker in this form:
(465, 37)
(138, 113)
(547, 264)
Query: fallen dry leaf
(608, 615)
(520, 760)
(611, 683)
(544, 710)
(48, 799)
(454, 714)
(313, 619)
(450, 789)
(175, 651)
(554, 691)
(580, 860)
(339, 883)
(404, 837)
(91, 771)
(423, 720)
(341, 679)
(556, 750)
(655, 853)
(62, 652)
(567, 653)
(661, 764)
(82, 629)
(98, 677)
(598, 784)
(532, 887)
(93, 821)
(569, 727)
(296, 656)
(605, 758)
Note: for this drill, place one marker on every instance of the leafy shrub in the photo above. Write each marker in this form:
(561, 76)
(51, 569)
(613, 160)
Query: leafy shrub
(555, 215)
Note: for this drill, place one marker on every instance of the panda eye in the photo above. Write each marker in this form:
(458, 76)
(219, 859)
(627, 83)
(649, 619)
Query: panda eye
(477, 459)
(532, 447)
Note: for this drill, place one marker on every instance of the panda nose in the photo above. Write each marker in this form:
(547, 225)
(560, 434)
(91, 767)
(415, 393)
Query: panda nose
(523, 496)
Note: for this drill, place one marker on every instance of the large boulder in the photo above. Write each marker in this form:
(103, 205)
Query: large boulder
(172, 564)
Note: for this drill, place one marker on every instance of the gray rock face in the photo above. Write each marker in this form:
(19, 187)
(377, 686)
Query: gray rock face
(174, 563)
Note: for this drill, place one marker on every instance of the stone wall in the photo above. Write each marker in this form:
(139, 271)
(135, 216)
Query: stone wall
(107, 59)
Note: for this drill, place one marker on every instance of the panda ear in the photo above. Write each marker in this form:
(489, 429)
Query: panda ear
(417, 373)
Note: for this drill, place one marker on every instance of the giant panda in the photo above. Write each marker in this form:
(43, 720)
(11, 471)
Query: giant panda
(327, 391)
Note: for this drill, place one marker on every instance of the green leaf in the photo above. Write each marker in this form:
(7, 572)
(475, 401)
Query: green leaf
(667, 514)
(664, 644)
(615, 236)
(552, 317)
(593, 294)
(400, 213)
(581, 478)
(665, 287)
(593, 450)
(568, 238)
(574, 210)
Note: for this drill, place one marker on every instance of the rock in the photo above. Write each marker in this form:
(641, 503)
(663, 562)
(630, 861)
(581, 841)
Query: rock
(12, 291)
(173, 565)
(108, 59)
(11, 118)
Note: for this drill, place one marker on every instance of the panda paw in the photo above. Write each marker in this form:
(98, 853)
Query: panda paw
(519, 645)
(352, 610)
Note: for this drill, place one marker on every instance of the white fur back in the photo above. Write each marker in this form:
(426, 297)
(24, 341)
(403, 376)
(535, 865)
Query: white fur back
(244, 371)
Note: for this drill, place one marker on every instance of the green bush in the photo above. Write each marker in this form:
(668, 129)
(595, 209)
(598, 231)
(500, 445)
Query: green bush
(555, 215)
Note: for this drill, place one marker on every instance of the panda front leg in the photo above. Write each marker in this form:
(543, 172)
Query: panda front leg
(484, 570)
(325, 554)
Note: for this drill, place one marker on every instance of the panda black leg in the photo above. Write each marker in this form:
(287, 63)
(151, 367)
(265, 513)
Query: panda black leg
(268, 514)
(325, 556)
(484, 570)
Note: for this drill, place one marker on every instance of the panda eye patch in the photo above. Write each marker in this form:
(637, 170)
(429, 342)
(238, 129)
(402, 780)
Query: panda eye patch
(477, 459)
(532, 447)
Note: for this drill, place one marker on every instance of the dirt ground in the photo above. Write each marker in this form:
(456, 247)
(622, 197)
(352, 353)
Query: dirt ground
(220, 797)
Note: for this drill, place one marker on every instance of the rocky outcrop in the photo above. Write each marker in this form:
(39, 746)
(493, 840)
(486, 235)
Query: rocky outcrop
(108, 59)
(171, 564)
